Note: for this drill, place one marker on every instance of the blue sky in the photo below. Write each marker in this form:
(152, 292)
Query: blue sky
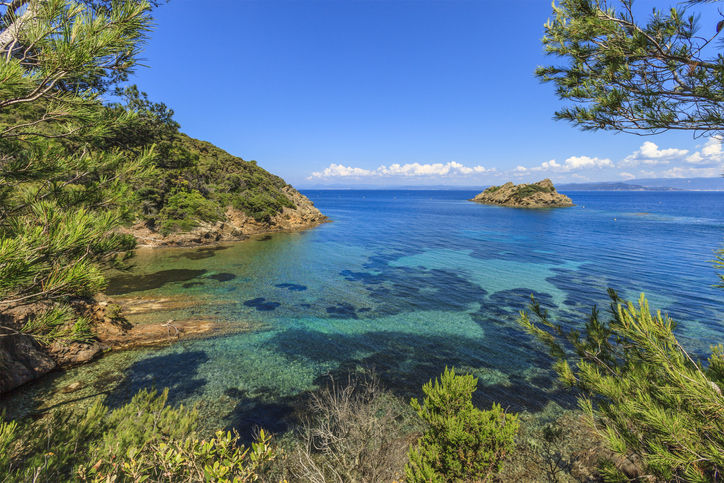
(390, 93)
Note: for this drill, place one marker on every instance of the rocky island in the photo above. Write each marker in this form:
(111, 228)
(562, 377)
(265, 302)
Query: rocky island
(535, 195)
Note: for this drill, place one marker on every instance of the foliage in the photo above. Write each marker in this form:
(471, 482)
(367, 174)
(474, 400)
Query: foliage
(356, 433)
(144, 440)
(530, 190)
(643, 393)
(57, 322)
(462, 443)
(186, 165)
(522, 191)
(636, 77)
(61, 196)
(59, 55)
(719, 263)
(184, 209)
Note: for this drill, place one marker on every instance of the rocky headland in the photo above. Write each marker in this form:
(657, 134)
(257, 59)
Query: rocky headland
(535, 195)
(236, 225)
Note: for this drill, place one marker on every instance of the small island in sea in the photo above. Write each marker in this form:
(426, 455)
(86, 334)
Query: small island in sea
(535, 195)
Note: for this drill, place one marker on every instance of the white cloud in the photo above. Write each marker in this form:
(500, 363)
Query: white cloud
(401, 170)
(550, 165)
(649, 154)
(680, 172)
(584, 162)
(711, 154)
(625, 175)
(337, 170)
(571, 165)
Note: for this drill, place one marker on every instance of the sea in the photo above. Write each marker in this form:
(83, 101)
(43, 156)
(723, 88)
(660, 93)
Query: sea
(402, 283)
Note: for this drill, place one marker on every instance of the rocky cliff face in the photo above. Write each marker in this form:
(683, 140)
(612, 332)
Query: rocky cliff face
(236, 226)
(535, 195)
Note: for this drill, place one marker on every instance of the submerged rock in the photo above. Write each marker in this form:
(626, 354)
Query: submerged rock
(535, 195)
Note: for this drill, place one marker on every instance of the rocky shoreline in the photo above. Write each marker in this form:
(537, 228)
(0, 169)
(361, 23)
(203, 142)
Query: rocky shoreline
(23, 358)
(535, 195)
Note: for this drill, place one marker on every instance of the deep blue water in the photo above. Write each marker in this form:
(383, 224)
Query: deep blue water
(407, 283)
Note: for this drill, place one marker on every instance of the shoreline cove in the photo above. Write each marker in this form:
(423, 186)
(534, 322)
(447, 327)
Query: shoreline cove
(405, 285)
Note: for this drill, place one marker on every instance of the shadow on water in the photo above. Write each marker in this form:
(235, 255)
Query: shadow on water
(192, 284)
(292, 287)
(200, 253)
(176, 371)
(264, 409)
(405, 362)
(396, 289)
(342, 310)
(222, 277)
(123, 284)
(262, 305)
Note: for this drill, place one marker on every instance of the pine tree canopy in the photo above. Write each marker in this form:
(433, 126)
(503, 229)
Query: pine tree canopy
(638, 77)
(62, 189)
(643, 393)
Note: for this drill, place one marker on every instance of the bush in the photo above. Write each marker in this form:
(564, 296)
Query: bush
(144, 440)
(357, 433)
(463, 443)
(185, 209)
(644, 394)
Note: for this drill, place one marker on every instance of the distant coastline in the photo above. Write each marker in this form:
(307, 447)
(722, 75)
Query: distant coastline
(612, 187)
(644, 184)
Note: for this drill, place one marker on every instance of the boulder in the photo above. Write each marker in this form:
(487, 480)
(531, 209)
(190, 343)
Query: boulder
(21, 360)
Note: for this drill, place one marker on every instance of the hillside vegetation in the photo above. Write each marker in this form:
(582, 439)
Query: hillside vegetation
(189, 181)
(198, 181)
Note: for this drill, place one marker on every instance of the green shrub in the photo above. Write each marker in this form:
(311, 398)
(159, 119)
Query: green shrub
(462, 443)
(57, 322)
(643, 393)
(185, 209)
(530, 190)
(144, 440)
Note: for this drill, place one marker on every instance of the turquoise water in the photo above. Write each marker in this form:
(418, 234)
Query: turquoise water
(407, 283)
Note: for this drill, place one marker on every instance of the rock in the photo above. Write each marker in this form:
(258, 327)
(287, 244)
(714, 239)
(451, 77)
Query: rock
(536, 195)
(72, 387)
(75, 353)
(21, 360)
